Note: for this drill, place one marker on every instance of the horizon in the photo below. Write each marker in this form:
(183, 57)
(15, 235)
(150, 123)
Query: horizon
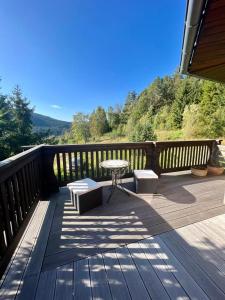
(92, 53)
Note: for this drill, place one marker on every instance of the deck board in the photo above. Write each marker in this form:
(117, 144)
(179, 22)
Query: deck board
(152, 282)
(111, 252)
(181, 200)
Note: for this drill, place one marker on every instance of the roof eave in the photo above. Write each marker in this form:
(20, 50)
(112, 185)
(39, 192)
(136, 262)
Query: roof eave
(194, 14)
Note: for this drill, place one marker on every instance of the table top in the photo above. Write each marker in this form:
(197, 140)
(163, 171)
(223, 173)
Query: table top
(114, 164)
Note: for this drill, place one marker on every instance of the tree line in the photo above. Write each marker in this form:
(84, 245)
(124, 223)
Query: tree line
(16, 124)
(193, 107)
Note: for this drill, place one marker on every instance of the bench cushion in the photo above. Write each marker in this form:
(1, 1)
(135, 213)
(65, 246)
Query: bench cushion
(145, 174)
(82, 186)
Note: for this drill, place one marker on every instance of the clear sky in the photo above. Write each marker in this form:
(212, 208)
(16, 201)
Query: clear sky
(73, 55)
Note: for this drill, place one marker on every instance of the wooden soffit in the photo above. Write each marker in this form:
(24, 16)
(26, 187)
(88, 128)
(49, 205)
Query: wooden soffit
(208, 58)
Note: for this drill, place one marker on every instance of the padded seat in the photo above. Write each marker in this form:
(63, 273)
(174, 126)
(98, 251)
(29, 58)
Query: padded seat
(85, 194)
(146, 181)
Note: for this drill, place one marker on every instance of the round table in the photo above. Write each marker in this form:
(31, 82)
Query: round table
(118, 168)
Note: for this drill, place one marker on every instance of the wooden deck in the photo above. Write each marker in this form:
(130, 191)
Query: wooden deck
(111, 252)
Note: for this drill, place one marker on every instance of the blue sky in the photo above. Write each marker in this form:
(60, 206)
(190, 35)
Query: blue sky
(73, 55)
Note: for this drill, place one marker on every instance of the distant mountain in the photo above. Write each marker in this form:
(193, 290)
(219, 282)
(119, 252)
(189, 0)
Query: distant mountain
(41, 123)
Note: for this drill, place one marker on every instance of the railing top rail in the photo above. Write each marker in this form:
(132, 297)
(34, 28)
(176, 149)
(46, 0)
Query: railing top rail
(185, 143)
(97, 147)
(13, 163)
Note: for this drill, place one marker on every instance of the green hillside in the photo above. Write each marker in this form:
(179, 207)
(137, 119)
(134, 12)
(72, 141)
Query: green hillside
(41, 123)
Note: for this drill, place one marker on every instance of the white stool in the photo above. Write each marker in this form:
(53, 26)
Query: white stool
(146, 181)
(85, 194)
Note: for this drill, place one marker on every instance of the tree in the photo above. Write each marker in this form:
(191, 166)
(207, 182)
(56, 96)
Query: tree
(143, 130)
(212, 109)
(192, 121)
(80, 128)
(21, 116)
(128, 106)
(113, 117)
(98, 123)
(189, 91)
(162, 119)
(6, 127)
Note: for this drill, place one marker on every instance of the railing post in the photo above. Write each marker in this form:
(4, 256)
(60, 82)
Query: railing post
(152, 158)
(156, 154)
(149, 155)
(49, 180)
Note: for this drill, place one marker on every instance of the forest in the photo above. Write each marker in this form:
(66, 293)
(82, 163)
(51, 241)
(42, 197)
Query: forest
(172, 107)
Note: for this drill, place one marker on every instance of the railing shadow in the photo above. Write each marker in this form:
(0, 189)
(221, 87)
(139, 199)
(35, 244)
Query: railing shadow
(129, 220)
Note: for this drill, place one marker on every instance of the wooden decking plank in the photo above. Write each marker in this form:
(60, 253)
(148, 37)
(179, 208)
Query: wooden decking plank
(99, 282)
(74, 254)
(169, 281)
(197, 240)
(33, 269)
(219, 222)
(186, 281)
(15, 272)
(115, 276)
(186, 220)
(214, 237)
(181, 213)
(82, 281)
(213, 231)
(193, 268)
(133, 279)
(46, 285)
(35, 264)
(88, 248)
(152, 282)
(210, 269)
(144, 213)
(64, 283)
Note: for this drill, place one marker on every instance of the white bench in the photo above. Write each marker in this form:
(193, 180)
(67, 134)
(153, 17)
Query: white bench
(146, 181)
(85, 194)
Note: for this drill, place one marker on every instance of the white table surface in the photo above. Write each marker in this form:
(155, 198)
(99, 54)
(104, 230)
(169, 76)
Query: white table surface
(114, 164)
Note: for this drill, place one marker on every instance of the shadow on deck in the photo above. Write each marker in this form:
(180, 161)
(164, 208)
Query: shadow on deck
(57, 237)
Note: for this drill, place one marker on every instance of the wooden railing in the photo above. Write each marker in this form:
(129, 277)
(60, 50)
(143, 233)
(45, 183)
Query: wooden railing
(39, 171)
(65, 163)
(73, 162)
(20, 189)
(181, 155)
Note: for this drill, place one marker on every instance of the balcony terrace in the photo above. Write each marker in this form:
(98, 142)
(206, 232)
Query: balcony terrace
(168, 245)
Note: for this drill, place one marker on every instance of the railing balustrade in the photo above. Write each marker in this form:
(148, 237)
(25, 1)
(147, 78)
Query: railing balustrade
(73, 162)
(20, 189)
(182, 155)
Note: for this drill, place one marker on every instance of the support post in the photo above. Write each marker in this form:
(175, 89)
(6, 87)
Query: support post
(49, 180)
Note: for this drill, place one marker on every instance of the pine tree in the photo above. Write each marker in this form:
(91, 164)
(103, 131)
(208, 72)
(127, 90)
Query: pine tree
(21, 117)
(128, 106)
(6, 127)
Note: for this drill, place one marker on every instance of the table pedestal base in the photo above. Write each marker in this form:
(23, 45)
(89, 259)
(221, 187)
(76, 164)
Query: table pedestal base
(116, 185)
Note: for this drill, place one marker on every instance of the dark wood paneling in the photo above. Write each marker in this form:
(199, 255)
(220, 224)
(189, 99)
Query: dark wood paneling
(208, 58)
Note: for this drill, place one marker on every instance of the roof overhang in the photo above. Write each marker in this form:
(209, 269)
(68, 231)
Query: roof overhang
(203, 51)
